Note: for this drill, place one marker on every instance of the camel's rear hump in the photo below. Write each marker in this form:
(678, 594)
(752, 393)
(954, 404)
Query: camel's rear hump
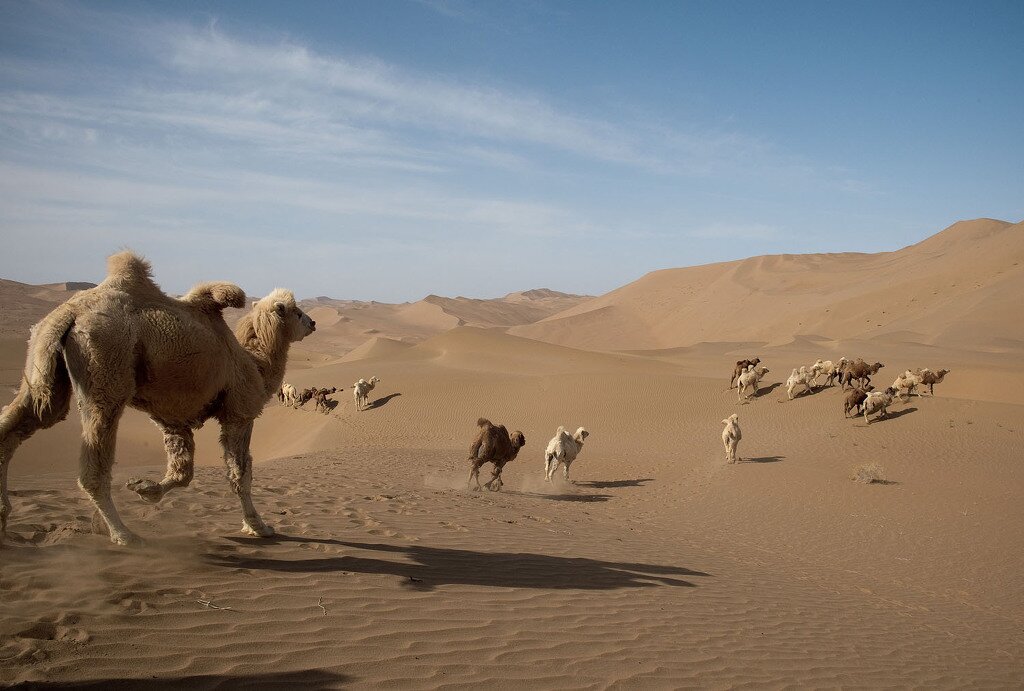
(131, 273)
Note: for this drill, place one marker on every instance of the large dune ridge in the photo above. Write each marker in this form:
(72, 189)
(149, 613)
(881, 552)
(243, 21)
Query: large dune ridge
(958, 287)
(659, 566)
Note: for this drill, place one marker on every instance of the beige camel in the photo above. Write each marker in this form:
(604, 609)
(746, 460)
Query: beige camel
(126, 343)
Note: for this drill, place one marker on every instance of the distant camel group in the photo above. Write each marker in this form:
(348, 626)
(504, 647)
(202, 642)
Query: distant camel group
(290, 396)
(861, 399)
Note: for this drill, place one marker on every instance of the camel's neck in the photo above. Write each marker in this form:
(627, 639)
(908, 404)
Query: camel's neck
(271, 363)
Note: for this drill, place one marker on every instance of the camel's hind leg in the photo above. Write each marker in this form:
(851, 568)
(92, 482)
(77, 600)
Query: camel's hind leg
(19, 421)
(235, 439)
(474, 474)
(99, 434)
(181, 450)
(495, 484)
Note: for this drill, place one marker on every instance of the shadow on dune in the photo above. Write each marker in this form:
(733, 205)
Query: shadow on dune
(767, 389)
(304, 679)
(803, 393)
(764, 459)
(380, 402)
(609, 484)
(434, 566)
(892, 415)
(589, 498)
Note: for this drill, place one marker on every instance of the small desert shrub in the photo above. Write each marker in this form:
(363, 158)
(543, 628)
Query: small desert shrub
(868, 473)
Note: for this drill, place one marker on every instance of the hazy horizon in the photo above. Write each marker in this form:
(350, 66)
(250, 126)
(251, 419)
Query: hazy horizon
(388, 151)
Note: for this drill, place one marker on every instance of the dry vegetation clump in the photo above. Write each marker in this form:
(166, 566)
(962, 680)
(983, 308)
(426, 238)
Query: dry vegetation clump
(869, 473)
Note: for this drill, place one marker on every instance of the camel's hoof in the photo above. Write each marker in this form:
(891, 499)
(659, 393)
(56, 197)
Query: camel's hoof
(147, 489)
(127, 539)
(262, 530)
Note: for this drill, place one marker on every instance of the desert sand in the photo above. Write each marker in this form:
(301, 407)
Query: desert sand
(659, 565)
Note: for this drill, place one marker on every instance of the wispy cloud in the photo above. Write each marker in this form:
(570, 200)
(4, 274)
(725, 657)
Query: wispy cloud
(188, 129)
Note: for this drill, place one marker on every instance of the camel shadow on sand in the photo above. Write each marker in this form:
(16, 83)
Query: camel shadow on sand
(764, 391)
(567, 496)
(892, 415)
(763, 459)
(611, 484)
(381, 402)
(425, 568)
(304, 679)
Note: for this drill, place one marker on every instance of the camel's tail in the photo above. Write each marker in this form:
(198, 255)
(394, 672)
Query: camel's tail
(46, 376)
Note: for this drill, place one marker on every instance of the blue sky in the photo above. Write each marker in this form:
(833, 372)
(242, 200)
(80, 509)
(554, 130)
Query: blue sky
(387, 150)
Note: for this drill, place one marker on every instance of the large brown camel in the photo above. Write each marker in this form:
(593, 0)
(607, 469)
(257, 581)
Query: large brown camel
(493, 444)
(126, 343)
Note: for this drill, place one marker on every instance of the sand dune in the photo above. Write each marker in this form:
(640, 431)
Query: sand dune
(958, 287)
(659, 566)
(347, 324)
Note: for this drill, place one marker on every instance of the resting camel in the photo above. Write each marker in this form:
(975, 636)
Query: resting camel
(493, 444)
(125, 343)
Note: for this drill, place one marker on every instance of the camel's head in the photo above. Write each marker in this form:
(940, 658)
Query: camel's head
(281, 303)
(375, 380)
(941, 373)
(518, 440)
(756, 360)
(731, 419)
(877, 366)
(762, 370)
(580, 435)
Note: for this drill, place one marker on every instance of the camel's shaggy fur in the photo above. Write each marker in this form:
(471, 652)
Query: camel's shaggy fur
(751, 378)
(731, 436)
(877, 402)
(797, 378)
(827, 368)
(126, 343)
(493, 444)
(859, 372)
(288, 394)
(853, 400)
(930, 379)
(909, 381)
(321, 398)
(305, 396)
(361, 391)
(563, 449)
(741, 367)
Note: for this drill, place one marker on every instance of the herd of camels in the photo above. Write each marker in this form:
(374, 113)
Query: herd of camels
(127, 343)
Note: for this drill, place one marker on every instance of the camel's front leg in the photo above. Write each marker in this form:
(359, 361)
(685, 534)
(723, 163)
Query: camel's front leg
(181, 450)
(235, 438)
(99, 432)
